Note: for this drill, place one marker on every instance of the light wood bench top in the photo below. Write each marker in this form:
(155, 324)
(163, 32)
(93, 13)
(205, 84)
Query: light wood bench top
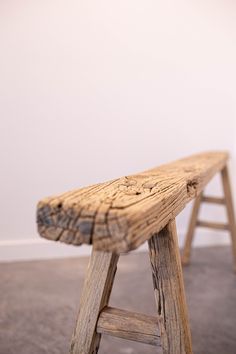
(121, 214)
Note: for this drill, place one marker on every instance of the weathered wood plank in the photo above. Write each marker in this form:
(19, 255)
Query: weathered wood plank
(122, 214)
(95, 296)
(169, 291)
(129, 325)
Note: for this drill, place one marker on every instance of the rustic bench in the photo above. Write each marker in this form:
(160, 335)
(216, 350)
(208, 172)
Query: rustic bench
(120, 215)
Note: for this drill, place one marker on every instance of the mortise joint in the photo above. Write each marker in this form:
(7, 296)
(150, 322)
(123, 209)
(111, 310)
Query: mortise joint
(192, 187)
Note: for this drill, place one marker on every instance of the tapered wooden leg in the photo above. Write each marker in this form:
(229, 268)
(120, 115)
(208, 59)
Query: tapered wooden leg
(95, 296)
(169, 291)
(190, 233)
(230, 209)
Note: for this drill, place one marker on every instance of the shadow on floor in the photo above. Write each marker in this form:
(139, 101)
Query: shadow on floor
(39, 301)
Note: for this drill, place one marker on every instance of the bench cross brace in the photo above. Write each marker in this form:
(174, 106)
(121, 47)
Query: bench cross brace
(169, 327)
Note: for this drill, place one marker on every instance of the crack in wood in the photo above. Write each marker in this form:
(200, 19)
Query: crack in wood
(131, 208)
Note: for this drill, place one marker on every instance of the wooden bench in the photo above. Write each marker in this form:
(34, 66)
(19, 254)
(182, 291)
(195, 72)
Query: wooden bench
(120, 215)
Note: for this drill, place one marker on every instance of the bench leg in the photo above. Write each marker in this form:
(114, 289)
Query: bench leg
(230, 209)
(95, 296)
(231, 226)
(169, 291)
(192, 225)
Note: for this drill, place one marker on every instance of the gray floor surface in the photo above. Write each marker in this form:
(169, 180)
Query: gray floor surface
(39, 301)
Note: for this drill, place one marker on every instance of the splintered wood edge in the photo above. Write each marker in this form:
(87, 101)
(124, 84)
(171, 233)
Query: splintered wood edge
(121, 214)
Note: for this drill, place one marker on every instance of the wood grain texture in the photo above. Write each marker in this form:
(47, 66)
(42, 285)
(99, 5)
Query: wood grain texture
(95, 296)
(169, 292)
(230, 209)
(129, 325)
(120, 215)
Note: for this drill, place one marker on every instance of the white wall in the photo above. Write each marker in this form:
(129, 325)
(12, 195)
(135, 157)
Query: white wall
(92, 90)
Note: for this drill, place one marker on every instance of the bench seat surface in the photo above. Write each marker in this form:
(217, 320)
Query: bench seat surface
(121, 214)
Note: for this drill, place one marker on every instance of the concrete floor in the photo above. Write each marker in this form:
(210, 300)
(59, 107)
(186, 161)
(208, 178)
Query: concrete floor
(39, 301)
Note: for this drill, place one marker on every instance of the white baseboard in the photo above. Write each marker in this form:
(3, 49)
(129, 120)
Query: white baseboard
(38, 248)
(207, 238)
